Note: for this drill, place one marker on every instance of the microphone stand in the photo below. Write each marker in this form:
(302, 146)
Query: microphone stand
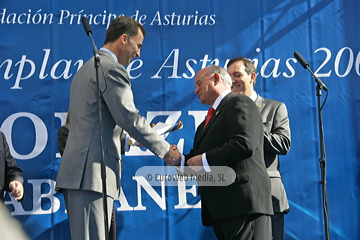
(102, 160)
(322, 160)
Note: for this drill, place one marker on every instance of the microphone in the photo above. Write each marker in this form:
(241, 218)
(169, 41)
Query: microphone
(86, 25)
(302, 61)
(101, 146)
(306, 65)
(88, 31)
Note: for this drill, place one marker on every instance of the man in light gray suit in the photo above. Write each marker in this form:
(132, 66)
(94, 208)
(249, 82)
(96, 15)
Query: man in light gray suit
(79, 174)
(276, 135)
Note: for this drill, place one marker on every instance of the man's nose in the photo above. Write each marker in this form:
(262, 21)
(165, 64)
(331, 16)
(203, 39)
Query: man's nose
(196, 90)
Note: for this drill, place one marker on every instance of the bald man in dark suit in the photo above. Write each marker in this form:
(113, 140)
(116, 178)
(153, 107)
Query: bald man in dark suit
(231, 137)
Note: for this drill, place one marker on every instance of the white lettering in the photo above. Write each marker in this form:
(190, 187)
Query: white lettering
(130, 68)
(8, 67)
(41, 134)
(160, 200)
(274, 72)
(63, 14)
(288, 65)
(182, 191)
(199, 117)
(38, 206)
(44, 63)
(189, 67)
(19, 77)
(65, 74)
(174, 66)
(123, 202)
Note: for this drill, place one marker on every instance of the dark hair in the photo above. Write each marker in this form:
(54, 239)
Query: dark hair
(123, 25)
(249, 66)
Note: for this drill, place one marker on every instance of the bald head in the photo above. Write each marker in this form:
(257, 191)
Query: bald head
(210, 83)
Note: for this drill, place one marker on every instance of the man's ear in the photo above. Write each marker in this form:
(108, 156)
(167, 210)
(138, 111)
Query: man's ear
(216, 79)
(253, 78)
(123, 39)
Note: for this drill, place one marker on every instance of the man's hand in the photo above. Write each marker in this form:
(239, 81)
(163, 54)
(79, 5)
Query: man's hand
(195, 163)
(173, 157)
(17, 189)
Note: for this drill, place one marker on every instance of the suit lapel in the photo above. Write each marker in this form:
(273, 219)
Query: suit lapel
(200, 133)
(260, 102)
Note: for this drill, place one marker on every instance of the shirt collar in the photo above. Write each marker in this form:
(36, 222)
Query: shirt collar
(219, 98)
(110, 52)
(253, 96)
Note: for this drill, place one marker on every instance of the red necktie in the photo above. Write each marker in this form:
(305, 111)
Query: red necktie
(209, 115)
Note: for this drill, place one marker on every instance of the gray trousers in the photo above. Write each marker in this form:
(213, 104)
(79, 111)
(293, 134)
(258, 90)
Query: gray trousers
(86, 215)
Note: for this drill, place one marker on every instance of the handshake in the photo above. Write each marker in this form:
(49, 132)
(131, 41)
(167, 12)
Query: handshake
(173, 156)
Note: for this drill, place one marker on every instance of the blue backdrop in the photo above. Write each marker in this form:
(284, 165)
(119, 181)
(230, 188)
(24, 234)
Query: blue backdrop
(43, 44)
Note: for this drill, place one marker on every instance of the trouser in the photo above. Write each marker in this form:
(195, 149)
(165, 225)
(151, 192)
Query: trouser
(86, 214)
(243, 227)
(277, 225)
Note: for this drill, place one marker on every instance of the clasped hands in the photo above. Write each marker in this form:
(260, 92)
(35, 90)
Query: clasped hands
(173, 158)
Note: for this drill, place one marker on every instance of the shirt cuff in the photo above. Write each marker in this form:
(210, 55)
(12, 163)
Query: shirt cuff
(168, 149)
(126, 143)
(205, 163)
(182, 164)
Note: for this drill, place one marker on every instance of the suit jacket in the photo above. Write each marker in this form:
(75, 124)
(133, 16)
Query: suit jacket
(234, 138)
(9, 171)
(63, 133)
(80, 164)
(276, 141)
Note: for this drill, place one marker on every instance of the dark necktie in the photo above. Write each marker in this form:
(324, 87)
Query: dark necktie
(209, 115)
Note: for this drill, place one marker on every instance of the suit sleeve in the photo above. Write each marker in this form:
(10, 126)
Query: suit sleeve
(12, 171)
(278, 139)
(120, 101)
(244, 131)
(188, 156)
